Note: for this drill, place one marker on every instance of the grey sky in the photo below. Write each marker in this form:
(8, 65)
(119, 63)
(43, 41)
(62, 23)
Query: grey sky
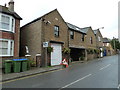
(83, 13)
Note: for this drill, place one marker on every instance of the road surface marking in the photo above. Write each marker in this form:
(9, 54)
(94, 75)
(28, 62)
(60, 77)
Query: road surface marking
(76, 81)
(118, 86)
(21, 78)
(105, 67)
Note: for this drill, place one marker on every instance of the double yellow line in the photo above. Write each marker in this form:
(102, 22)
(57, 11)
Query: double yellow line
(28, 76)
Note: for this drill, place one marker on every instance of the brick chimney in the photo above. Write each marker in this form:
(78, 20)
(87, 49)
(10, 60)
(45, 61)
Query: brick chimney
(11, 5)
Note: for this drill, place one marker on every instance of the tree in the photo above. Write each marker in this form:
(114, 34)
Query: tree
(115, 43)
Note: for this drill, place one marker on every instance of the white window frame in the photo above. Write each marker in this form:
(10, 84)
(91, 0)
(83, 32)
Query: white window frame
(11, 27)
(9, 47)
(99, 39)
(56, 31)
(71, 35)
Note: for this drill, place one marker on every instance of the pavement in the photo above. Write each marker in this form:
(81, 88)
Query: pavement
(32, 71)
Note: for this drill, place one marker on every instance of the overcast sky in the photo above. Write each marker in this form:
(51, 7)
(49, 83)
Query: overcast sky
(82, 13)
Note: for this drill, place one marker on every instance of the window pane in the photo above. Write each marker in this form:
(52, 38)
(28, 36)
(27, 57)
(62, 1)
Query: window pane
(82, 37)
(3, 47)
(6, 49)
(4, 44)
(5, 19)
(5, 22)
(91, 40)
(99, 38)
(56, 31)
(71, 32)
(5, 26)
(3, 51)
(56, 28)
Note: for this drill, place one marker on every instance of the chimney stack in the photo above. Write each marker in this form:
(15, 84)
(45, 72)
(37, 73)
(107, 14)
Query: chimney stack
(11, 5)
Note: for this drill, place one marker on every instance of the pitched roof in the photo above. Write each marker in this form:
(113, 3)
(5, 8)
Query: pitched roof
(75, 28)
(5, 10)
(85, 30)
(106, 40)
(97, 31)
(41, 17)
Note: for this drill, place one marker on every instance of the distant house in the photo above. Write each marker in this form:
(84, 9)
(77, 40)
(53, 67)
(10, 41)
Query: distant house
(46, 32)
(99, 41)
(77, 42)
(9, 31)
(90, 41)
(108, 50)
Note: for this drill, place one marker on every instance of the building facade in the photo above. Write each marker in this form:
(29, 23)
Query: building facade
(77, 43)
(46, 32)
(108, 50)
(47, 38)
(99, 41)
(90, 42)
(9, 31)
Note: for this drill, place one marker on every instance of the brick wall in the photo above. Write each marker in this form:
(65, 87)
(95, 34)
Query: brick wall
(91, 56)
(34, 34)
(90, 33)
(48, 31)
(77, 40)
(55, 19)
(16, 38)
(6, 35)
(30, 35)
(99, 43)
(13, 36)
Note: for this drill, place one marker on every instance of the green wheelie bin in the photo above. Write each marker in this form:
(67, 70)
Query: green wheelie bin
(16, 65)
(8, 66)
(24, 65)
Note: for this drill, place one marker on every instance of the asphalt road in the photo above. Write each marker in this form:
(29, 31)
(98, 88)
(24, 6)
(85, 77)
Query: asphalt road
(98, 73)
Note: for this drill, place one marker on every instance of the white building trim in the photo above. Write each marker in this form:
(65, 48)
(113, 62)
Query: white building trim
(11, 23)
(10, 48)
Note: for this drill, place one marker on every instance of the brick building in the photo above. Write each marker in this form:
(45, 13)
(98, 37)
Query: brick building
(90, 42)
(108, 50)
(48, 29)
(77, 42)
(9, 31)
(99, 41)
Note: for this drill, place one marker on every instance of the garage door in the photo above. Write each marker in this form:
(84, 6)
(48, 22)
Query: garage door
(56, 55)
